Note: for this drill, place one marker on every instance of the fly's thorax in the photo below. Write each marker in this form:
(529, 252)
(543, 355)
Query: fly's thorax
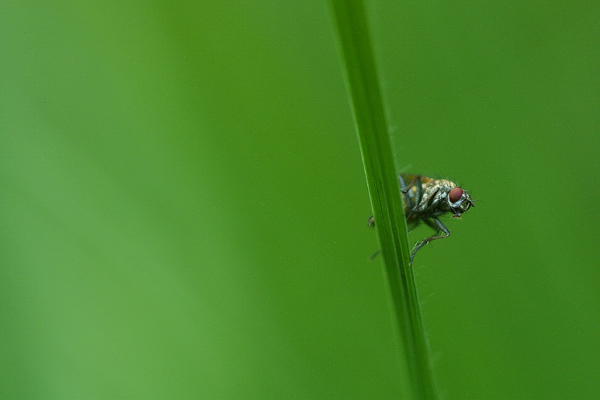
(434, 192)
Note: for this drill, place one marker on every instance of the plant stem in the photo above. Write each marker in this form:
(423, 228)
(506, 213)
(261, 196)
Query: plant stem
(369, 116)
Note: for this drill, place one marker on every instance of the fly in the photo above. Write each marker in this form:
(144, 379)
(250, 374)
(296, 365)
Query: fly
(427, 199)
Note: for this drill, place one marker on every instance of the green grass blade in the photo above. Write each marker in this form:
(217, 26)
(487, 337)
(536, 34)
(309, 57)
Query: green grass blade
(367, 105)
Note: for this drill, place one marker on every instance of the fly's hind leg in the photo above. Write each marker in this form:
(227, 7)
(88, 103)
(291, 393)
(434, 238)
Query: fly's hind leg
(371, 222)
(436, 225)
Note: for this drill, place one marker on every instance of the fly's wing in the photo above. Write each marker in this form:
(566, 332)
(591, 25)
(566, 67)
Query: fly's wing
(408, 178)
(412, 178)
(408, 185)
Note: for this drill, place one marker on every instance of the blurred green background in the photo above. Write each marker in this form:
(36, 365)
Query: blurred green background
(183, 206)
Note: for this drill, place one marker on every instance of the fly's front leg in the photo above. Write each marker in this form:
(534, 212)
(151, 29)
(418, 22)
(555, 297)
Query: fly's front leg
(435, 224)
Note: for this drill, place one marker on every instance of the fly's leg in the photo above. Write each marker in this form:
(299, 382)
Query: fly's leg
(371, 222)
(409, 203)
(374, 255)
(437, 225)
(406, 188)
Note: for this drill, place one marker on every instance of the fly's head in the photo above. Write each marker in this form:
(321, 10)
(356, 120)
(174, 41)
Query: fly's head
(458, 201)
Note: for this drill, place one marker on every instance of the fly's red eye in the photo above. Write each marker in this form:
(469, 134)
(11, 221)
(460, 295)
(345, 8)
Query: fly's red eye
(455, 194)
